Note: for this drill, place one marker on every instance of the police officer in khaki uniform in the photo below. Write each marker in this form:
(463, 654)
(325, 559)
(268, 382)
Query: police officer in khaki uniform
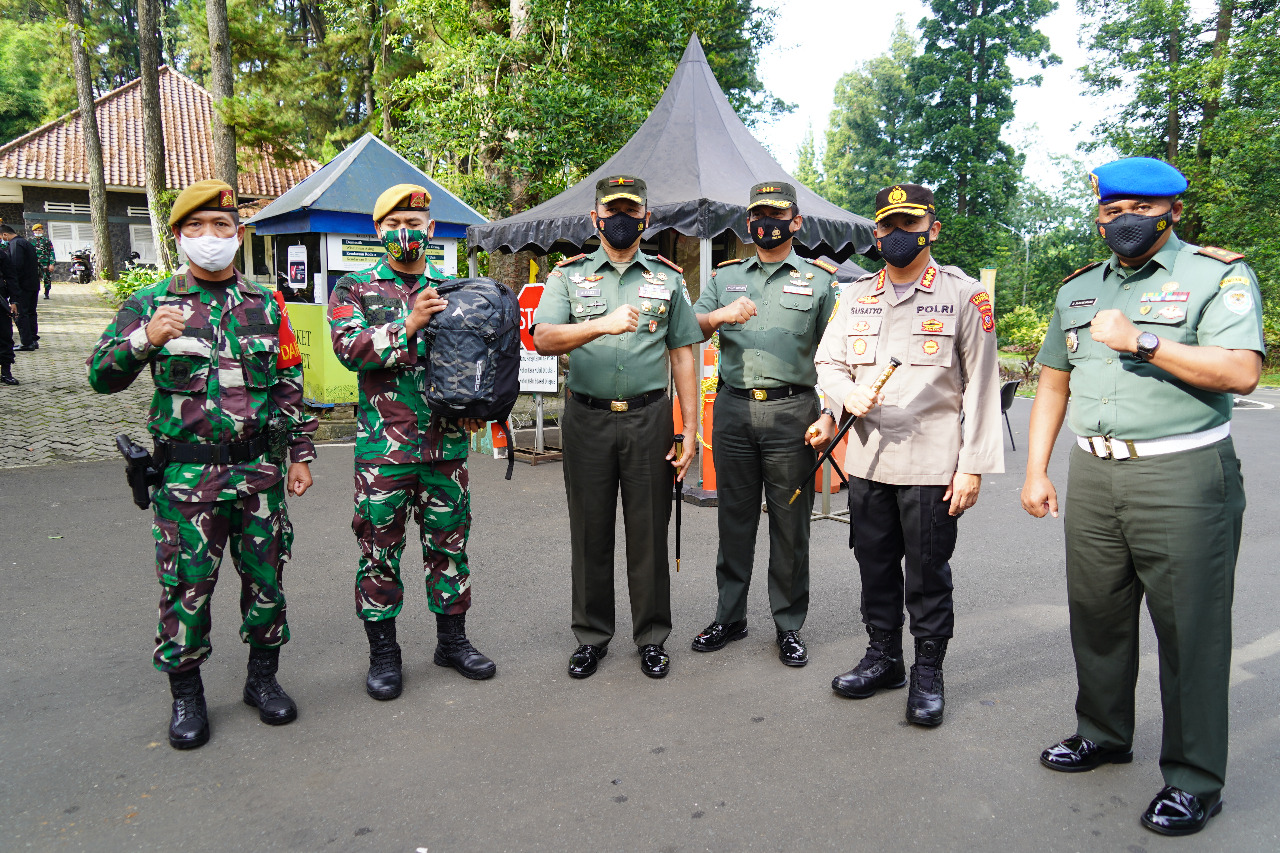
(1150, 347)
(771, 311)
(916, 458)
(626, 322)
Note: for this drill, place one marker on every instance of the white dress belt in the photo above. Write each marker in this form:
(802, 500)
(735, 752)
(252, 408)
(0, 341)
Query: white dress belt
(1115, 448)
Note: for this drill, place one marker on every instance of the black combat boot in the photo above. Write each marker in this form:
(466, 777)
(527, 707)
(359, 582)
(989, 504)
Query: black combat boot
(262, 691)
(455, 650)
(384, 681)
(6, 375)
(189, 727)
(925, 702)
(880, 668)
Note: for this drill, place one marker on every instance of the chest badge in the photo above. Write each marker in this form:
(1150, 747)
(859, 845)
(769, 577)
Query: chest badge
(1172, 312)
(1073, 340)
(859, 346)
(931, 326)
(646, 305)
(660, 276)
(1145, 309)
(653, 325)
(577, 279)
(662, 309)
(930, 347)
(648, 276)
(593, 278)
(578, 308)
(861, 326)
(868, 299)
(1169, 286)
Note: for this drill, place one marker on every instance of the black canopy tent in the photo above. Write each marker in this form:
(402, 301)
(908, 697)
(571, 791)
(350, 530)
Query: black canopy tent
(698, 160)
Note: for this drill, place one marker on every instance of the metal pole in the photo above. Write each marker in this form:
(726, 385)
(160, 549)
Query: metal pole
(538, 446)
(1026, 270)
(471, 262)
(704, 281)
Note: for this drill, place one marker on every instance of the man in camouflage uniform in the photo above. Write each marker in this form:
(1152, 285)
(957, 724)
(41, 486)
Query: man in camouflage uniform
(225, 364)
(44, 256)
(407, 459)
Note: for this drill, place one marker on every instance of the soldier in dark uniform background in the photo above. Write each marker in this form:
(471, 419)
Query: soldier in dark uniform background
(227, 418)
(44, 256)
(24, 286)
(626, 322)
(407, 460)
(916, 457)
(771, 311)
(8, 308)
(1150, 346)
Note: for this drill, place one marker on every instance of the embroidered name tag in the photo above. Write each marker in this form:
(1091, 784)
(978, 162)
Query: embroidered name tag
(654, 291)
(797, 289)
(595, 291)
(735, 288)
(1081, 303)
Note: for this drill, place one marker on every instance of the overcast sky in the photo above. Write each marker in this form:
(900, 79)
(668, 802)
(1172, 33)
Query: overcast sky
(820, 40)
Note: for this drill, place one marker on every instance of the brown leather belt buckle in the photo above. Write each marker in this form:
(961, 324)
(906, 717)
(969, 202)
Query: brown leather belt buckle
(759, 394)
(618, 405)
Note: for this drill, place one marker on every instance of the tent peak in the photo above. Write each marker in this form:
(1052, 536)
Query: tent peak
(693, 51)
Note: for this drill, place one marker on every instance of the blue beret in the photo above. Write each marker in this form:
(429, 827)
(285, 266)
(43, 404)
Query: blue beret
(1136, 176)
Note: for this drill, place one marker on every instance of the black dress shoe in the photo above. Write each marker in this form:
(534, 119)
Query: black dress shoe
(1175, 812)
(8, 379)
(717, 635)
(27, 348)
(654, 661)
(791, 650)
(1077, 754)
(583, 662)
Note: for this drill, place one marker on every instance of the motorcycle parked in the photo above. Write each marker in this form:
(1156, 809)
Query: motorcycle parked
(81, 266)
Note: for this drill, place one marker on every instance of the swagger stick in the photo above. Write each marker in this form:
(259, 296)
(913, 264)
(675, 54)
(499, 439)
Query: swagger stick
(678, 492)
(894, 364)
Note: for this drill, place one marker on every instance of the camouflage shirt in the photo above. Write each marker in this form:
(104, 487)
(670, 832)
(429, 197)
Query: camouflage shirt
(217, 383)
(44, 251)
(367, 312)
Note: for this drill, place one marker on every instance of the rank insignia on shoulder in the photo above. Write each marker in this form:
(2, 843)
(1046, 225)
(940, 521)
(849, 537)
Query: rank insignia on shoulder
(1226, 256)
(730, 261)
(670, 264)
(823, 265)
(1083, 269)
(572, 260)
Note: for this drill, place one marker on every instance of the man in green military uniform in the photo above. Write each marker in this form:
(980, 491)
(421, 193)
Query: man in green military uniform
(771, 311)
(625, 320)
(1150, 347)
(44, 256)
(226, 413)
(407, 460)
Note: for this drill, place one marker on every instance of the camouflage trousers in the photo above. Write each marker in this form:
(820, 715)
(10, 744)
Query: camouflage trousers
(437, 493)
(191, 537)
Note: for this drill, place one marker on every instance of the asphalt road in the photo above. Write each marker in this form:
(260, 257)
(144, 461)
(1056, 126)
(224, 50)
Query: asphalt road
(732, 752)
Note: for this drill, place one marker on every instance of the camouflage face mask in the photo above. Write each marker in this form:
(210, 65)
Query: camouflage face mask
(405, 245)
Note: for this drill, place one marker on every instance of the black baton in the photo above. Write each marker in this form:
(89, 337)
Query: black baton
(894, 364)
(678, 493)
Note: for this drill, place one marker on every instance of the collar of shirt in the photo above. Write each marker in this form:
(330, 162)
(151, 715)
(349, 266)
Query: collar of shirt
(234, 288)
(792, 260)
(382, 270)
(886, 288)
(1165, 258)
(599, 259)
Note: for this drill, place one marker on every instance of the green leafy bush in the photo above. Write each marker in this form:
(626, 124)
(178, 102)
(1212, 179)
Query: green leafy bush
(1022, 331)
(130, 281)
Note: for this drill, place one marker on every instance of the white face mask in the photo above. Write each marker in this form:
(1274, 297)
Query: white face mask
(210, 253)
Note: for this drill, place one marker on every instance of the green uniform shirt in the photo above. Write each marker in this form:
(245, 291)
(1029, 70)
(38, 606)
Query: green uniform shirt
(1179, 295)
(619, 367)
(776, 347)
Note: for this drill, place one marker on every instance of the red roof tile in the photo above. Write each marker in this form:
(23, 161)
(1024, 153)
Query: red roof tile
(54, 153)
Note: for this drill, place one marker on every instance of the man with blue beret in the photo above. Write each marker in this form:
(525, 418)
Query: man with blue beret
(1150, 346)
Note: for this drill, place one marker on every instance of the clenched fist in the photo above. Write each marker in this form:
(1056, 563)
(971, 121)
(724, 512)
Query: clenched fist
(165, 325)
(624, 320)
(426, 306)
(739, 310)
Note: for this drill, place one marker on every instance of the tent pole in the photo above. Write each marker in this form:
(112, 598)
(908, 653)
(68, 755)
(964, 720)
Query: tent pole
(471, 262)
(704, 282)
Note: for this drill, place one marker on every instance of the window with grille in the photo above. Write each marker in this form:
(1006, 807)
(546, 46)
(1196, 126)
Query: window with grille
(66, 207)
(67, 237)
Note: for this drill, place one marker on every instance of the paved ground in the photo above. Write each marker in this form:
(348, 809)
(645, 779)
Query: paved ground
(54, 416)
(732, 752)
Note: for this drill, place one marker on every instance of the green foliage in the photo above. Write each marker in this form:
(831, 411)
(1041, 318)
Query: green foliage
(1022, 331)
(130, 281)
(22, 103)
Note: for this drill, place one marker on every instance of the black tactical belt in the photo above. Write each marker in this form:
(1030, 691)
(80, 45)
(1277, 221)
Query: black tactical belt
(762, 394)
(231, 453)
(622, 405)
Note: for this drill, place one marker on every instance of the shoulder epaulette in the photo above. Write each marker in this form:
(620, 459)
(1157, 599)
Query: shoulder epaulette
(571, 260)
(1226, 256)
(670, 264)
(730, 261)
(1082, 270)
(823, 265)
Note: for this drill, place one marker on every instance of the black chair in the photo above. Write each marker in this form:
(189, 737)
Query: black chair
(1007, 392)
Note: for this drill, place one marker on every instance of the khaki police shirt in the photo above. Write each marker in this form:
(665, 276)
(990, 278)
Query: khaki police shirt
(943, 332)
(619, 367)
(775, 347)
(1178, 295)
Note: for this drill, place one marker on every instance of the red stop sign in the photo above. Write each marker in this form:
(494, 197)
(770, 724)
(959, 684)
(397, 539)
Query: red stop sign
(530, 296)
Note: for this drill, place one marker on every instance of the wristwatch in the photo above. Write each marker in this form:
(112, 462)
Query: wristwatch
(1147, 346)
(827, 412)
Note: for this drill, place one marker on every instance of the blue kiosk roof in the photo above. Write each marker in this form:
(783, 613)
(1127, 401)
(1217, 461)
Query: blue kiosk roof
(338, 197)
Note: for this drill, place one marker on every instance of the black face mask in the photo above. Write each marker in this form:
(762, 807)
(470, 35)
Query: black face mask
(1131, 235)
(768, 233)
(620, 230)
(899, 248)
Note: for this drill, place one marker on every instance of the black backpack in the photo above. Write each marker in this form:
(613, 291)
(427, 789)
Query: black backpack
(473, 354)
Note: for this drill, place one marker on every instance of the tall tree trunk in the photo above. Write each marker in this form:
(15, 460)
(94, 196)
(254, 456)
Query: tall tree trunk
(222, 87)
(1172, 124)
(152, 128)
(1221, 39)
(92, 143)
